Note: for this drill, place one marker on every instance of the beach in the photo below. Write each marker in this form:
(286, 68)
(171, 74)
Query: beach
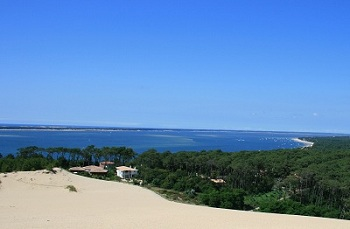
(40, 199)
(306, 143)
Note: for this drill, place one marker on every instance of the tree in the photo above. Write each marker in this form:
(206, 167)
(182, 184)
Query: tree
(106, 153)
(87, 154)
(29, 151)
(74, 153)
(127, 155)
(50, 151)
(149, 159)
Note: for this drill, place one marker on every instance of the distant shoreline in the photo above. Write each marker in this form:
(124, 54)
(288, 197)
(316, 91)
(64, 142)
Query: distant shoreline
(32, 127)
(306, 143)
(142, 139)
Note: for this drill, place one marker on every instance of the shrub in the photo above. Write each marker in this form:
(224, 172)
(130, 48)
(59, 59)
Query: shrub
(71, 188)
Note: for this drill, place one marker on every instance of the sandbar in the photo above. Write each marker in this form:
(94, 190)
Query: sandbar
(306, 143)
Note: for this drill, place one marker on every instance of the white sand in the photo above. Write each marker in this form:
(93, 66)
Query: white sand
(38, 200)
(306, 143)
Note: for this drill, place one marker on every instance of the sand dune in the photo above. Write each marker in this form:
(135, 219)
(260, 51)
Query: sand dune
(39, 200)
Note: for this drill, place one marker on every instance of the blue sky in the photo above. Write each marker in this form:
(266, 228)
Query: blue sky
(248, 65)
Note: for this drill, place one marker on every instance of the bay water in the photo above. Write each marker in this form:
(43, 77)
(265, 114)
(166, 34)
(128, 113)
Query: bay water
(141, 140)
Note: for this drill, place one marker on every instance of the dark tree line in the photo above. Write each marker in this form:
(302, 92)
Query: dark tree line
(33, 157)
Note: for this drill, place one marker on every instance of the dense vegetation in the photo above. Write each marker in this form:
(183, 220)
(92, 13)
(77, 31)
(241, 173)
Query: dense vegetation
(34, 158)
(308, 181)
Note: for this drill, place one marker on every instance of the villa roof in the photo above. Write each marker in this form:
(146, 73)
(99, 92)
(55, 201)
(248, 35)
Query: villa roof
(90, 169)
(95, 169)
(125, 168)
(98, 171)
(77, 169)
(106, 163)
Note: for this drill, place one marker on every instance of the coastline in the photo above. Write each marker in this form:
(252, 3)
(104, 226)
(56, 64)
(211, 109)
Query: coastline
(142, 140)
(306, 143)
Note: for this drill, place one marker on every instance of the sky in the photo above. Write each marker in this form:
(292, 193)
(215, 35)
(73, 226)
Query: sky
(239, 65)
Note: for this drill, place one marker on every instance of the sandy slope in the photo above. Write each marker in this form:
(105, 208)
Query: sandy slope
(38, 200)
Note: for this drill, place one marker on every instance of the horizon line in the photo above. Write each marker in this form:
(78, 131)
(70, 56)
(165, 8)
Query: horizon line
(86, 127)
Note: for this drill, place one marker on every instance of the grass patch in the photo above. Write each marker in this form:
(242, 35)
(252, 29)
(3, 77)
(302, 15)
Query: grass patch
(173, 195)
(255, 201)
(71, 188)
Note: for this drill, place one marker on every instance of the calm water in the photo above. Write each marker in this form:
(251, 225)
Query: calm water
(142, 140)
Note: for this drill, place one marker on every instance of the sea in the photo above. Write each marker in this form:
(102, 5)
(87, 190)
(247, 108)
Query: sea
(140, 140)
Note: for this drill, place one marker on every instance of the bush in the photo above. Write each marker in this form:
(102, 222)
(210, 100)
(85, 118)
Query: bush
(71, 188)
(233, 199)
(50, 167)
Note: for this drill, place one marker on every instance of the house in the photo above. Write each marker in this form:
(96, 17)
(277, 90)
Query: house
(125, 172)
(106, 164)
(91, 169)
(76, 169)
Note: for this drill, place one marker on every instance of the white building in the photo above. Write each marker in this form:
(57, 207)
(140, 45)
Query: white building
(125, 172)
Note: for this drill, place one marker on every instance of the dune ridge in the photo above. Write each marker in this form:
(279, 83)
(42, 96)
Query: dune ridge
(39, 199)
